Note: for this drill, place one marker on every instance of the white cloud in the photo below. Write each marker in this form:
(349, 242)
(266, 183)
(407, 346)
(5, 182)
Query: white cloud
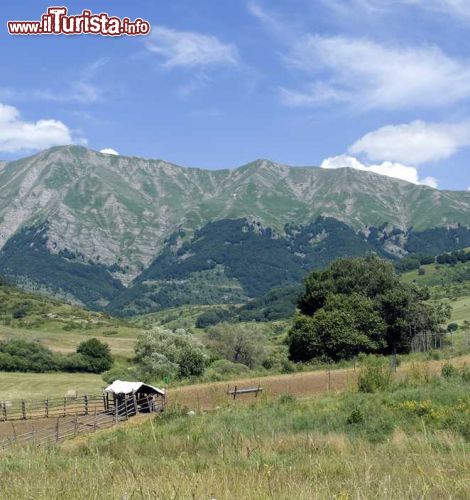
(18, 135)
(387, 168)
(370, 75)
(189, 49)
(416, 142)
(109, 151)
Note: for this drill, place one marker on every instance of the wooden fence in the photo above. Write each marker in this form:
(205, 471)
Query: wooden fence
(72, 425)
(51, 408)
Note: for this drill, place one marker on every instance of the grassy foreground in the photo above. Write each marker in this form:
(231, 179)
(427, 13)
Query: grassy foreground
(412, 441)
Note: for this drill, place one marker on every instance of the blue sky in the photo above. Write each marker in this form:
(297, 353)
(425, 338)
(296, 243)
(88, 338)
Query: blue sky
(374, 84)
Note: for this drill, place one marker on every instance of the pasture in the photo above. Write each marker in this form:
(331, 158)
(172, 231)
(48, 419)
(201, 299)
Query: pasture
(410, 441)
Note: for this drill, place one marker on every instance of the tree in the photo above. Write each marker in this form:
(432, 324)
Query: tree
(369, 276)
(360, 305)
(346, 326)
(96, 355)
(238, 343)
(160, 353)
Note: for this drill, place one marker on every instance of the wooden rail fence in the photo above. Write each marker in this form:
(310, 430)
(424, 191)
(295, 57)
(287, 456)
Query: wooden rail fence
(50, 408)
(79, 423)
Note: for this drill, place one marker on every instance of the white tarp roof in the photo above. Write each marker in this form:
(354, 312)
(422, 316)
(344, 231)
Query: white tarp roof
(123, 387)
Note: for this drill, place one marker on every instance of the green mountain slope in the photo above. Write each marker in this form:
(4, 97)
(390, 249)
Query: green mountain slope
(116, 209)
(104, 219)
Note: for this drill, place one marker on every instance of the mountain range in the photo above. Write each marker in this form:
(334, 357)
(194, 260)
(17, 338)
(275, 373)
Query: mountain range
(134, 235)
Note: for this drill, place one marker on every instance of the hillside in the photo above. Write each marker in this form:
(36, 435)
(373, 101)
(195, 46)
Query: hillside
(58, 325)
(83, 225)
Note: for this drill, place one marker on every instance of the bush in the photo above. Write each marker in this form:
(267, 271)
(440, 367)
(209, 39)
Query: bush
(449, 370)
(23, 356)
(212, 317)
(238, 343)
(161, 353)
(452, 327)
(224, 369)
(466, 373)
(355, 417)
(375, 374)
(96, 355)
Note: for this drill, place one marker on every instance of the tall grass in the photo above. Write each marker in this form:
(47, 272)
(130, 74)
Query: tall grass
(410, 441)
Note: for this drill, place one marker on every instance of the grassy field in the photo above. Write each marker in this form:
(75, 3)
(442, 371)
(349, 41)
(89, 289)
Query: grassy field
(439, 274)
(34, 386)
(121, 343)
(410, 441)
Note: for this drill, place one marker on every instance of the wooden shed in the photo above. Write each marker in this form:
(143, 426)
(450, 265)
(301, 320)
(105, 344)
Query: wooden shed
(134, 397)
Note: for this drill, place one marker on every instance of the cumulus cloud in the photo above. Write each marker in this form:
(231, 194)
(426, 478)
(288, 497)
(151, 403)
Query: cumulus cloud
(190, 49)
(387, 168)
(416, 142)
(19, 135)
(372, 75)
(109, 151)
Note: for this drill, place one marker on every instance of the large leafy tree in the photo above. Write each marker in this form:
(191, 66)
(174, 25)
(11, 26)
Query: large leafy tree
(360, 305)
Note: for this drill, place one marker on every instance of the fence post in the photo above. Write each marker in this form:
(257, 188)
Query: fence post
(14, 431)
(125, 407)
(57, 430)
(75, 424)
(5, 410)
(235, 392)
(329, 379)
(136, 408)
(86, 404)
(65, 406)
(94, 422)
(46, 408)
(23, 409)
(116, 409)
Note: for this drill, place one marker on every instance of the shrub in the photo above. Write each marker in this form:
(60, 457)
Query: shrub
(375, 374)
(223, 369)
(449, 370)
(355, 417)
(96, 354)
(23, 356)
(19, 313)
(466, 373)
(238, 343)
(163, 353)
(452, 327)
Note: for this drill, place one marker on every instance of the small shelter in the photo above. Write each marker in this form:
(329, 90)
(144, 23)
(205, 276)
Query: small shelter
(134, 397)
